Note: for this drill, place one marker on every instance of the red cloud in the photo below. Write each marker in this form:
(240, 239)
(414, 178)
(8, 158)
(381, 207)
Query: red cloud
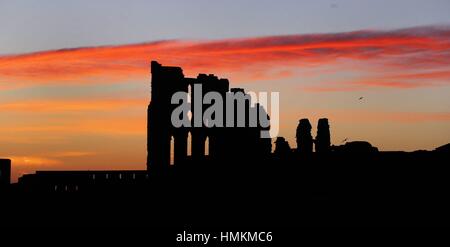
(422, 47)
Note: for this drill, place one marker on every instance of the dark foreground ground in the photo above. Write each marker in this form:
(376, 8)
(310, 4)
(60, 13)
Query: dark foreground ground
(362, 190)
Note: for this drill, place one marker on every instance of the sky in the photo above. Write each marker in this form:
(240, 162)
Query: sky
(75, 78)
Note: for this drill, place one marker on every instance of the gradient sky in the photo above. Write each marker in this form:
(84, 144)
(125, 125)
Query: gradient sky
(84, 108)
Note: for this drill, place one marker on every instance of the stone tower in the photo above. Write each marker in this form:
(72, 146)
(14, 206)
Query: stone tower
(323, 136)
(304, 138)
(165, 82)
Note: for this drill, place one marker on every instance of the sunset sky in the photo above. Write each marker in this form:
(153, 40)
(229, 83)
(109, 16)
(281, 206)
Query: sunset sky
(75, 77)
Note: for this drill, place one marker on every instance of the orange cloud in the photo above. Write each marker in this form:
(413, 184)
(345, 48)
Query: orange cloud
(423, 47)
(69, 154)
(33, 161)
(364, 85)
(28, 164)
(425, 75)
(400, 81)
(391, 84)
(67, 106)
(113, 125)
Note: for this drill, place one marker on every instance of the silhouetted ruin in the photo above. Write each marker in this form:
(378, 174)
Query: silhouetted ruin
(304, 137)
(236, 178)
(356, 147)
(443, 149)
(166, 81)
(75, 181)
(323, 141)
(282, 148)
(5, 173)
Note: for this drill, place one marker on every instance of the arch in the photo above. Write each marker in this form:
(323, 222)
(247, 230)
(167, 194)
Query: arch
(198, 143)
(189, 144)
(189, 91)
(172, 151)
(207, 146)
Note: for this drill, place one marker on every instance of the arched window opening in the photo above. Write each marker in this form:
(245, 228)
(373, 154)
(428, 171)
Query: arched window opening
(172, 151)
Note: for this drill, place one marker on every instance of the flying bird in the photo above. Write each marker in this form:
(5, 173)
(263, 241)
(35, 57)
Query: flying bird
(360, 98)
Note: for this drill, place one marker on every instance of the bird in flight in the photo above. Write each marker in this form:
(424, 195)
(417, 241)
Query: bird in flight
(360, 98)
